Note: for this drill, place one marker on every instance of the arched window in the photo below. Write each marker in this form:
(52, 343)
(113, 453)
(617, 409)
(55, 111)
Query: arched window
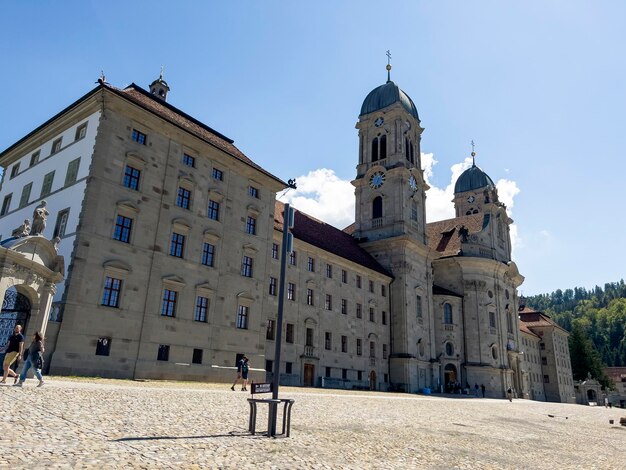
(377, 207)
(449, 349)
(375, 149)
(383, 146)
(406, 148)
(447, 314)
(412, 156)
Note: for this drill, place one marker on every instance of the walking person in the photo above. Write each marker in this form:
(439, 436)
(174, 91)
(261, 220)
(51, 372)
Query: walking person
(509, 394)
(482, 387)
(14, 351)
(34, 360)
(244, 374)
(476, 390)
(240, 365)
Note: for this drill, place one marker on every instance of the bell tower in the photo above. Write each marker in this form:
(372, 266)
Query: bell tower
(390, 187)
(159, 87)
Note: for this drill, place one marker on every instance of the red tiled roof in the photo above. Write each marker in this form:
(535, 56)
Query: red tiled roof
(328, 238)
(533, 319)
(444, 235)
(615, 372)
(141, 97)
(525, 329)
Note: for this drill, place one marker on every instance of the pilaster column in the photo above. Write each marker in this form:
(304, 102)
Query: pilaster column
(39, 318)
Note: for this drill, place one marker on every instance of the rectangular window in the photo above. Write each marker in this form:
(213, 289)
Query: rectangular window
(344, 344)
(359, 347)
(273, 286)
(384, 351)
(131, 177)
(413, 211)
(309, 296)
(289, 333)
(270, 332)
(56, 145)
(492, 319)
(359, 375)
(103, 347)
(251, 225)
(218, 174)
(111, 294)
(15, 170)
(164, 352)
(311, 265)
(46, 187)
(25, 194)
(138, 137)
(327, 372)
(213, 211)
(253, 192)
(269, 365)
(34, 158)
(544, 361)
(202, 307)
(291, 291)
(288, 367)
(372, 349)
(177, 245)
(293, 258)
(183, 198)
(123, 226)
(208, 254)
(328, 340)
(242, 317)
(344, 276)
(358, 281)
(418, 306)
(81, 131)
(344, 306)
(542, 346)
(274, 250)
(61, 223)
(372, 287)
(168, 306)
(72, 172)
(328, 302)
(546, 379)
(384, 317)
(309, 336)
(359, 311)
(344, 374)
(6, 204)
(246, 266)
(372, 316)
(383, 290)
(329, 271)
(197, 356)
(188, 160)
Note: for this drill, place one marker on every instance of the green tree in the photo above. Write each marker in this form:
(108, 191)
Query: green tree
(585, 358)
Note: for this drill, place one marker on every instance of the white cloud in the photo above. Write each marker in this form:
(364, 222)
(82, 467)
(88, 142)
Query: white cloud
(323, 195)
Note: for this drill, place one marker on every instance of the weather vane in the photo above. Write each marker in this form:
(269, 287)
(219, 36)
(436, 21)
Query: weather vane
(162, 70)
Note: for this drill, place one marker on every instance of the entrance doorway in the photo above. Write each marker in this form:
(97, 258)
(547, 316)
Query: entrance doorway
(373, 380)
(591, 395)
(309, 375)
(449, 378)
(15, 311)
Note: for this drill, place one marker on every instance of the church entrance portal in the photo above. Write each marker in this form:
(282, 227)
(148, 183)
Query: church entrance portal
(15, 311)
(449, 378)
(591, 395)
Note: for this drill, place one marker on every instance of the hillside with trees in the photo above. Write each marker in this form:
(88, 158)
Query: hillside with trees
(596, 320)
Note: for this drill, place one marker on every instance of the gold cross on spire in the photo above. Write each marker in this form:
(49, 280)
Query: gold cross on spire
(388, 66)
(473, 154)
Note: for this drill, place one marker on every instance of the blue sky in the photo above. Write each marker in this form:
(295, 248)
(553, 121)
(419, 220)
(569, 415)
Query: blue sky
(538, 85)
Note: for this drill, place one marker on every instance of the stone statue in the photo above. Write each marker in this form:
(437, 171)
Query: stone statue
(55, 243)
(40, 214)
(22, 231)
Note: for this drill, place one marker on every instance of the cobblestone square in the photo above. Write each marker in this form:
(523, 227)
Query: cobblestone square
(81, 423)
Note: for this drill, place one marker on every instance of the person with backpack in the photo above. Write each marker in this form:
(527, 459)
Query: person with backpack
(34, 360)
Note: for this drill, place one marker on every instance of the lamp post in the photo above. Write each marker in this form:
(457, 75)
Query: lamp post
(286, 247)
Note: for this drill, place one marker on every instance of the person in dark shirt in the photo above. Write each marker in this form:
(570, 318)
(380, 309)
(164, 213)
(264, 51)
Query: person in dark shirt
(34, 360)
(242, 369)
(14, 351)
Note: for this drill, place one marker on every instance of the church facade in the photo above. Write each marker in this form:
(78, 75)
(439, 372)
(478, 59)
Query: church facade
(171, 237)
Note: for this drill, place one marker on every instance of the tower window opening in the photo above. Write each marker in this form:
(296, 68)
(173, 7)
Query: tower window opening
(447, 314)
(375, 149)
(406, 148)
(383, 147)
(411, 152)
(377, 207)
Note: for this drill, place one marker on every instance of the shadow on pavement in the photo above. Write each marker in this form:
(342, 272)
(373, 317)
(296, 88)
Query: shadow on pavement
(158, 438)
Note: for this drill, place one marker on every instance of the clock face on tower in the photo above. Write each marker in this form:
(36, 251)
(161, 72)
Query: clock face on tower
(377, 179)
(379, 122)
(471, 199)
(412, 183)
